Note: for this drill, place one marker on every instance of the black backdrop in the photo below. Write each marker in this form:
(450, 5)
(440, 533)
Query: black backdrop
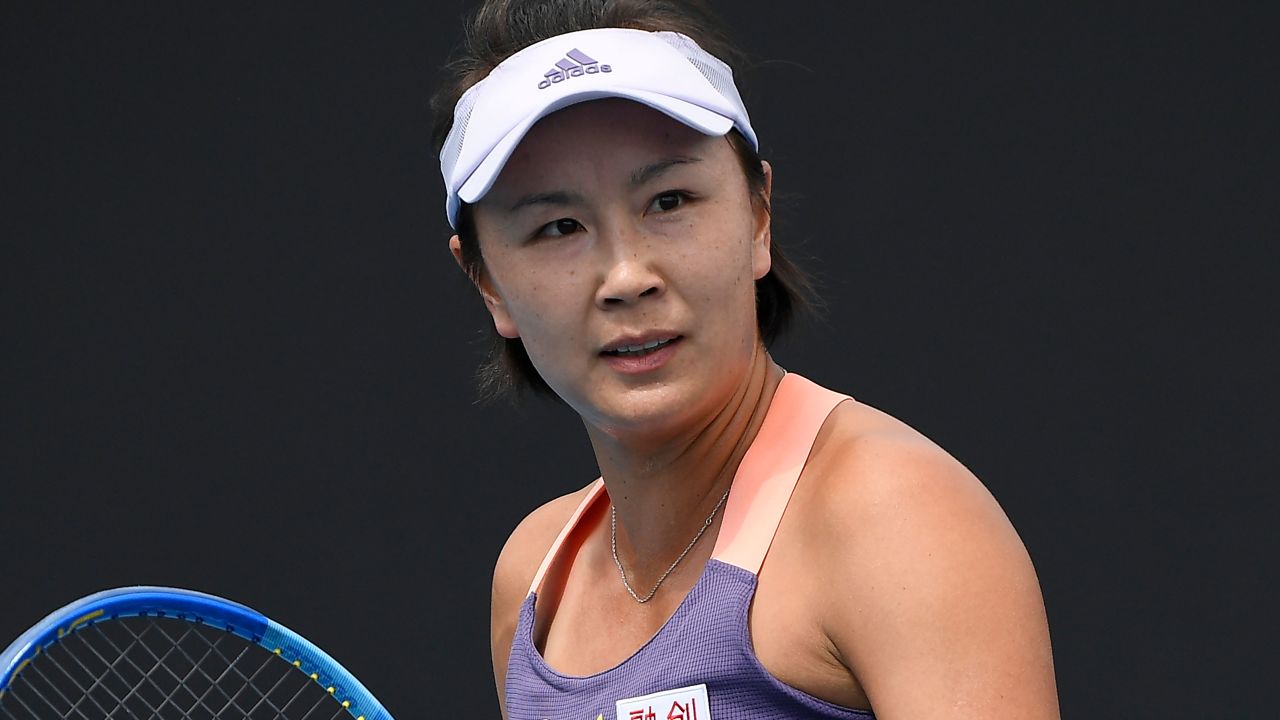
(237, 356)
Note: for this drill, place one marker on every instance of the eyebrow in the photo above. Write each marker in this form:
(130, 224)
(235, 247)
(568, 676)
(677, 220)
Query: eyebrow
(649, 172)
(639, 177)
(554, 197)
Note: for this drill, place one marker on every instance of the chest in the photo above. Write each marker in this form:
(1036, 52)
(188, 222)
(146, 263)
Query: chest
(592, 625)
(706, 625)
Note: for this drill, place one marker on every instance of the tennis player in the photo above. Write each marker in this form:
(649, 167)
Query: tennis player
(757, 546)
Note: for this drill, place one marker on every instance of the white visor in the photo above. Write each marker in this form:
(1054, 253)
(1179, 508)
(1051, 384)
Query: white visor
(667, 71)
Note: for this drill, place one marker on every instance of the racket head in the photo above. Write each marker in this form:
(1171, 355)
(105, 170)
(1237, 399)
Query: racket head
(197, 612)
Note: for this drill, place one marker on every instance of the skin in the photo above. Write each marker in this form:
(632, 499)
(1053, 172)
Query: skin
(895, 580)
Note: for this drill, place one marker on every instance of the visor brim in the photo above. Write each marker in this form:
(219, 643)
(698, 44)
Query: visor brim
(486, 173)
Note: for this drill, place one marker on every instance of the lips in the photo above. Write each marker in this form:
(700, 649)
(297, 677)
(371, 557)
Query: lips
(638, 346)
(639, 356)
(639, 349)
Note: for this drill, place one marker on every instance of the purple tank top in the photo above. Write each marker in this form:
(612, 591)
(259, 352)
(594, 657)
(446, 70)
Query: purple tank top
(700, 665)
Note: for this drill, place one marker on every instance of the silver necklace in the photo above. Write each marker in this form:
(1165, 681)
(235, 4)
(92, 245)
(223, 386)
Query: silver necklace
(613, 541)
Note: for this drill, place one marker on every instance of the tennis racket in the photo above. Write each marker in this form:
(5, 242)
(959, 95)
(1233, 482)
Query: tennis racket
(156, 652)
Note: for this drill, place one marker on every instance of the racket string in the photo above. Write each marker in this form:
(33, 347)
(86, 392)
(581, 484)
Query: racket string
(211, 683)
(98, 678)
(69, 704)
(266, 696)
(220, 682)
(158, 661)
(134, 686)
(166, 669)
(181, 682)
(24, 704)
(246, 683)
(84, 692)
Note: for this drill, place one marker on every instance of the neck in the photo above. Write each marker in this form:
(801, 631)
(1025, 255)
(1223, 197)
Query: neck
(663, 490)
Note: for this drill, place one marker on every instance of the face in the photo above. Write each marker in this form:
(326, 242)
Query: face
(622, 248)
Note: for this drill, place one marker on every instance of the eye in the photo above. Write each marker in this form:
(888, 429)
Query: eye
(668, 201)
(559, 228)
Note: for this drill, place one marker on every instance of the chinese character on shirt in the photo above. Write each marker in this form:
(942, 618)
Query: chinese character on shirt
(688, 711)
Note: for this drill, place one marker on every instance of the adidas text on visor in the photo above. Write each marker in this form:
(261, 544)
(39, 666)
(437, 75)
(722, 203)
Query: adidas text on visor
(667, 71)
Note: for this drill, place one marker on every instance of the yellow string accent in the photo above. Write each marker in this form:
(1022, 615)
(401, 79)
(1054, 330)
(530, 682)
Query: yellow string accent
(346, 703)
(297, 663)
(276, 651)
(315, 676)
(330, 689)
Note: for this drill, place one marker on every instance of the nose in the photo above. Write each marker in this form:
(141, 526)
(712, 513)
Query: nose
(629, 275)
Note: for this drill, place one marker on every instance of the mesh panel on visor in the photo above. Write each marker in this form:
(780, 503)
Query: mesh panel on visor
(712, 68)
(453, 144)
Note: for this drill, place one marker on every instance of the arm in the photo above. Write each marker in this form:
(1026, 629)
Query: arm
(937, 611)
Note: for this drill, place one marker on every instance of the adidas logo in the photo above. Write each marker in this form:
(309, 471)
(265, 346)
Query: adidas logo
(575, 64)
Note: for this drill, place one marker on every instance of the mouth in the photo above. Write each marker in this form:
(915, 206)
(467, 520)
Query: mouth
(639, 349)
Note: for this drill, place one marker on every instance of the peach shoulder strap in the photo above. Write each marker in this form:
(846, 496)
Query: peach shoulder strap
(593, 494)
(769, 471)
(763, 484)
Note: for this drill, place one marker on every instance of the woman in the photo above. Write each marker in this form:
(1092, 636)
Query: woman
(757, 546)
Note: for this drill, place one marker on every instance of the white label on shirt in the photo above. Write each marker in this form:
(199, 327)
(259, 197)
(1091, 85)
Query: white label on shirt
(687, 703)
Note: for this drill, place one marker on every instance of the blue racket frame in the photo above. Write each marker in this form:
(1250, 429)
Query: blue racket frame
(206, 609)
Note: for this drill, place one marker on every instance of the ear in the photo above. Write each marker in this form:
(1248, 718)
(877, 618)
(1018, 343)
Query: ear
(502, 321)
(762, 205)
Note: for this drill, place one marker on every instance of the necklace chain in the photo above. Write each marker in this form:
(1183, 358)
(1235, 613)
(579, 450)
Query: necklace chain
(613, 541)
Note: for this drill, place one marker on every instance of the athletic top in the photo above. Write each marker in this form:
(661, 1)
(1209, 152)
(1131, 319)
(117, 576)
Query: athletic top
(700, 665)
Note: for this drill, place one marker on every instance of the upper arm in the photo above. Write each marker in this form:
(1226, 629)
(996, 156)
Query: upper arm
(938, 610)
(517, 564)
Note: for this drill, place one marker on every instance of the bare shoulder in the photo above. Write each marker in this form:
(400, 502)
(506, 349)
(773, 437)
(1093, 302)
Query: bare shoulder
(937, 602)
(890, 504)
(528, 545)
(879, 468)
(517, 564)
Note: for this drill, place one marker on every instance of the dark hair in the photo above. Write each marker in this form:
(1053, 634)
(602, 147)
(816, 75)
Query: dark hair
(498, 30)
